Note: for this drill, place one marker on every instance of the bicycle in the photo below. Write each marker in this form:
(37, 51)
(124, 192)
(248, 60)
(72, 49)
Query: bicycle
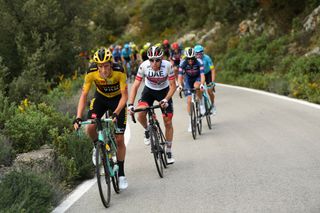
(157, 138)
(128, 71)
(106, 162)
(208, 106)
(196, 117)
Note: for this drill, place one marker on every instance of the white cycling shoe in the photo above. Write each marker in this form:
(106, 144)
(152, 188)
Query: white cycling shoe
(202, 109)
(123, 183)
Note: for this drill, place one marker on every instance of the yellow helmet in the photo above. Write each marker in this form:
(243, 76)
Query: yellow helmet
(103, 55)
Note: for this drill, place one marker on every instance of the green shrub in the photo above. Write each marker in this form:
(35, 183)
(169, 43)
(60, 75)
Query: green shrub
(28, 128)
(74, 155)
(7, 109)
(6, 151)
(67, 89)
(22, 191)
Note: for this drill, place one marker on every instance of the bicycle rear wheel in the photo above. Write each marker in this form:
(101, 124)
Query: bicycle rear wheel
(208, 112)
(193, 120)
(156, 150)
(199, 118)
(103, 177)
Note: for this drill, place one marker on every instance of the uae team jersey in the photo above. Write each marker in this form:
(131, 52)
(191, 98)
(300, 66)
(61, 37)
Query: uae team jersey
(156, 80)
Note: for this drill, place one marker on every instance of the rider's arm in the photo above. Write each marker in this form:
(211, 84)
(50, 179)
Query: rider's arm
(134, 88)
(180, 74)
(85, 90)
(124, 94)
(172, 86)
(82, 103)
(123, 101)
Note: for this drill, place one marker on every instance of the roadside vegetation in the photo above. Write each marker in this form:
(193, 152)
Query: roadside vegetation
(44, 52)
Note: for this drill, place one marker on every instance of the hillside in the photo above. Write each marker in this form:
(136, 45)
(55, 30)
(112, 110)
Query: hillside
(45, 48)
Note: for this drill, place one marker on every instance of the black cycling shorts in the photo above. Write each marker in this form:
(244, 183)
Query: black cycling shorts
(101, 104)
(208, 77)
(149, 96)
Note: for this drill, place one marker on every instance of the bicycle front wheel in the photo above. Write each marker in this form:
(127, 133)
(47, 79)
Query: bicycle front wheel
(103, 177)
(163, 147)
(193, 120)
(156, 150)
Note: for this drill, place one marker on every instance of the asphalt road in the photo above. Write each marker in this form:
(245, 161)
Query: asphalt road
(262, 155)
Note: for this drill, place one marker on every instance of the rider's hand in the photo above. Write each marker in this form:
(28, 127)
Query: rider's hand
(130, 109)
(164, 103)
(201, 87)
(114, 117)
(77, 123)
(212, 84)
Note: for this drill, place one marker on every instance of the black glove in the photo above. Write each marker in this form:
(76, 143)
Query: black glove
(77, 121)
(114, 115)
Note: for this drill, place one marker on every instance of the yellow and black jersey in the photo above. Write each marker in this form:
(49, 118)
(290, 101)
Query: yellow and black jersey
(109, 87)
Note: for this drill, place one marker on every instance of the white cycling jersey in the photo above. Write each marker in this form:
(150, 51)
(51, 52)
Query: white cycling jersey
(156, 80)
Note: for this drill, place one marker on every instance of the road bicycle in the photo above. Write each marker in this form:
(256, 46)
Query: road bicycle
(157, 138)
(208, 106)
(106, 162)
(196, 118)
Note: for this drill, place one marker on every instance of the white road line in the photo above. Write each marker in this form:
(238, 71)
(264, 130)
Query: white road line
(273, 95)
(85, 186)
(74, 196)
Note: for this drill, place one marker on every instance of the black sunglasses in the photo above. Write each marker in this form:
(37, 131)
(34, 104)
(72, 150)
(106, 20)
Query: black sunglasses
(154, 60)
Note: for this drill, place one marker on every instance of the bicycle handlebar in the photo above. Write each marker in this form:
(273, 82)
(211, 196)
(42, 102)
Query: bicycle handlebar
(145, 109)
(93, 121)
(191, 90)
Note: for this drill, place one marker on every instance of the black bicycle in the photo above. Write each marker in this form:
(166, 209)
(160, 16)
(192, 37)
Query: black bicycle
(157, 138)
(196, 118)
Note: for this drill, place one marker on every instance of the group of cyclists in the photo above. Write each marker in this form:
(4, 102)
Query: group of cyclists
(164, 68)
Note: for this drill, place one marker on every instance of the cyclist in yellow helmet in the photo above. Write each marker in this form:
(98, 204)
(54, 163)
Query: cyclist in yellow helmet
(111, 95)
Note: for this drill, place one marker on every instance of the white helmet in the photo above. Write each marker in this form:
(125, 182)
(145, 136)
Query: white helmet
(154, 52)
(189, 53)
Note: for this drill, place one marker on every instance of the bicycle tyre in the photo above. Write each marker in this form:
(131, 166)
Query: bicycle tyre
(193, 121)
(115, 178)
(208, 113)
(163, 147)
(199, 118)
(102, 171)
(156, 150)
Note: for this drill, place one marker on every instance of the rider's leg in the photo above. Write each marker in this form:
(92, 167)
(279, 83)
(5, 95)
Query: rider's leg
(121, 153)
(211, 94)
(92, 132)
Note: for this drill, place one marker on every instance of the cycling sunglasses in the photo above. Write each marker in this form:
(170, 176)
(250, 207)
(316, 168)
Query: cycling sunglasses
(154, 60)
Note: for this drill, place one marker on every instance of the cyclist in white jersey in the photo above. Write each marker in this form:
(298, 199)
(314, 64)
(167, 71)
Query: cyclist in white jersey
(159, 86)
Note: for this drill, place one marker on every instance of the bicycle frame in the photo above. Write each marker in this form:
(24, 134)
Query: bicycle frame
(196, 117)
(159, 138)
(105, 135)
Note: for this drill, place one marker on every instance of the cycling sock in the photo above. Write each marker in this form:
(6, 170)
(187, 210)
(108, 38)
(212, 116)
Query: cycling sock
(121, 168)
(169, 145)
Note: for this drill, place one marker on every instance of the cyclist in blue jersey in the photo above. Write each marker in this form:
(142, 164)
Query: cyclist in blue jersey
(209, 72)
(116, 54)
(127, 58)
(191, 72)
